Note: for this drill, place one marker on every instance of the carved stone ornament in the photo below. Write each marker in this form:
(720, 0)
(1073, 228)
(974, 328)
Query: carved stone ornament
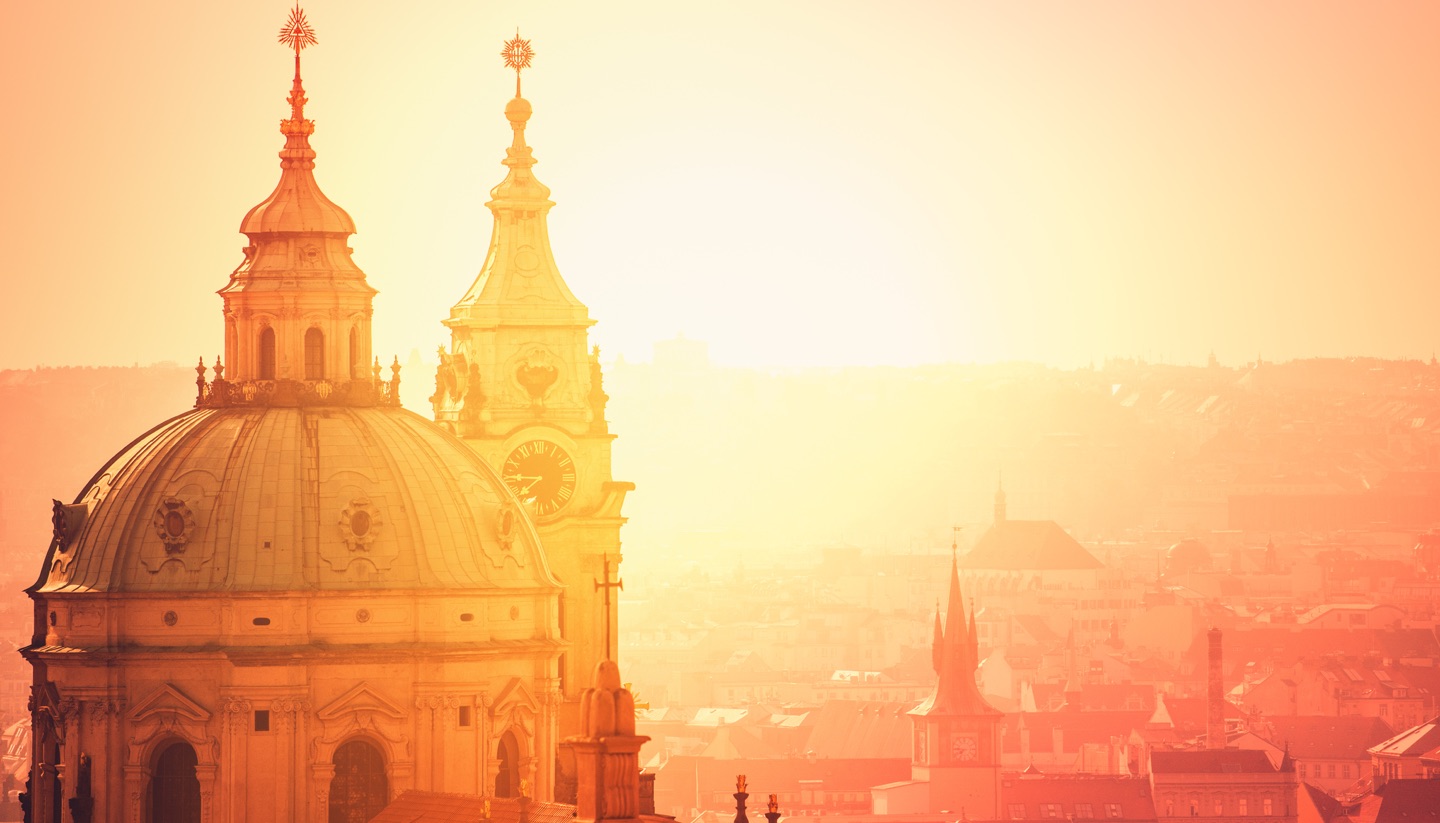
(174, 523)
(536, 373)
(508, 523)
(359, 523)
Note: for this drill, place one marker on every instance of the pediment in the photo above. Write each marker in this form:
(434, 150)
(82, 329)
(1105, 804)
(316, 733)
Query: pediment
(515, 695)
(359, 699)
(168, 700)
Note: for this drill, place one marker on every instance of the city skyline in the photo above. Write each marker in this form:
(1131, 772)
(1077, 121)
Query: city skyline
(1034, 183)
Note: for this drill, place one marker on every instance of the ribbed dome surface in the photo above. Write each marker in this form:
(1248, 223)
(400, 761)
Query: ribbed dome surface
(297, 205)
(284, 499)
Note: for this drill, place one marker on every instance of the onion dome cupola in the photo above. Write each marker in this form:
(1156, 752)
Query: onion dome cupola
(297, 308)
(519, 274)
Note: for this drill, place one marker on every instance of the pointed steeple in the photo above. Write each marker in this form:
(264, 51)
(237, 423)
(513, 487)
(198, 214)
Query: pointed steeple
(1000, 499)
(297, 308)
(974, 638)
(956, 692)
(1072, 665)
(519, 270)
(937, 645)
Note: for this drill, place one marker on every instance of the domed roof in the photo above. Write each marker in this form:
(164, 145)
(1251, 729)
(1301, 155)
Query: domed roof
(282, 499)
(1189, 555)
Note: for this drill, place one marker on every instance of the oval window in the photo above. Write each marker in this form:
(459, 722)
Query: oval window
(360, 523)
(261, 621)
(175, 524)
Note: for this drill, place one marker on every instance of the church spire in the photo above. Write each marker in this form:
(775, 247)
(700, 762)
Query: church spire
(957, 659)
(519, 276)
(297, 308)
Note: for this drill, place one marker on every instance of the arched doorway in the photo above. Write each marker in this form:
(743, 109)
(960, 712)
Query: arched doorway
(360, 789)
(174, 789)
(507, 777)
(267, 354)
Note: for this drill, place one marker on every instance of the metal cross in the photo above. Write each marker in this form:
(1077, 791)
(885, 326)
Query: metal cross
(607, 585)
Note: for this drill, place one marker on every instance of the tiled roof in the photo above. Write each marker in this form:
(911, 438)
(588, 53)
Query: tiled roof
(1325, 737)
(849, 729)
(1412, 742)
(1405, 801)
(1079, 797)
(1212, 761)
(442, 807)
(1075, 728)
(1028, 545)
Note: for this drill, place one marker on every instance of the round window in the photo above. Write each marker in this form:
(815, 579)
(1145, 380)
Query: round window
(175, 524)
(360, 523)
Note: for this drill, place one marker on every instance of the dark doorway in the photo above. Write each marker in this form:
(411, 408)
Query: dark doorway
(507, 779)
(174, 789)
(359, 790)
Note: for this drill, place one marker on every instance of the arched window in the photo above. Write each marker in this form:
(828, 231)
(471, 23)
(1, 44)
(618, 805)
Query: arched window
(314, 354)
(360, 789)
(354, 354)
(174, 789)
(507, 779)
(267, 354)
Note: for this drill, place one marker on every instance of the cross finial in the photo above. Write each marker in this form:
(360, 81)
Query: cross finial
(517, 54)
(606, 584)
(955, 541)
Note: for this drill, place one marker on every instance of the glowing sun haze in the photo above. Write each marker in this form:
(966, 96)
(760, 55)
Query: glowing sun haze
(798, 183)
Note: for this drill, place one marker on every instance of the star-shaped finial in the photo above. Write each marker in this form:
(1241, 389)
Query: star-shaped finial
(517, 55)
(297, 33)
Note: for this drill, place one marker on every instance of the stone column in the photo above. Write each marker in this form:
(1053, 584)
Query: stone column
(321, 774)
(233, 755)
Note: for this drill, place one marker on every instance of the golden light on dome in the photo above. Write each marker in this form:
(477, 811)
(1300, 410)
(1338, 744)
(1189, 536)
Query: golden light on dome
(297, 32)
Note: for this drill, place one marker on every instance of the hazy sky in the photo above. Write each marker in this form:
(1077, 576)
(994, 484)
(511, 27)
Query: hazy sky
(797, 183)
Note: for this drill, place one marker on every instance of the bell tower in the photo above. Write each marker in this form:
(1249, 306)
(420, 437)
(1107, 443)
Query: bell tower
(523, 387)
(957, 742)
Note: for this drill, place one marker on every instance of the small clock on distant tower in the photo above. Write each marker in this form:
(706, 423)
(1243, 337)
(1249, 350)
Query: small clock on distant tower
(964, 747)
(541, 471)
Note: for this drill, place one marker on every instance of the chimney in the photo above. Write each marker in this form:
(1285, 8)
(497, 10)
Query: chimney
(1215, 700)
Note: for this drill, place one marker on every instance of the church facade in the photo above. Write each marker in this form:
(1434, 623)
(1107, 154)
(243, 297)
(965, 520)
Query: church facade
(298, 600)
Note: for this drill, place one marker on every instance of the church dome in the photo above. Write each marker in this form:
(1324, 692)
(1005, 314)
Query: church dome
(1189, 555)
(252, 499)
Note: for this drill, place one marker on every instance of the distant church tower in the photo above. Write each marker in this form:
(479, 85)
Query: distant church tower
(957, 741)
(521, 385)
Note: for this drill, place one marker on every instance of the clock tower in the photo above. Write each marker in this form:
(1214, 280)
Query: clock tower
(957, 741)
(521, 385)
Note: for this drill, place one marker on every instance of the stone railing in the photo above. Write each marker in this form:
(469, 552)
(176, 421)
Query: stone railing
(222, 393)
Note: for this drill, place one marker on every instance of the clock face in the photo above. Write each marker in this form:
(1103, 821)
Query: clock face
(964, 747)
(542, 472)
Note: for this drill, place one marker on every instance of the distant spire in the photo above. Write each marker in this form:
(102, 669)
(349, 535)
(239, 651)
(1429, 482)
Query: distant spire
(937, 647)
(1000, 499)
(974, 639)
